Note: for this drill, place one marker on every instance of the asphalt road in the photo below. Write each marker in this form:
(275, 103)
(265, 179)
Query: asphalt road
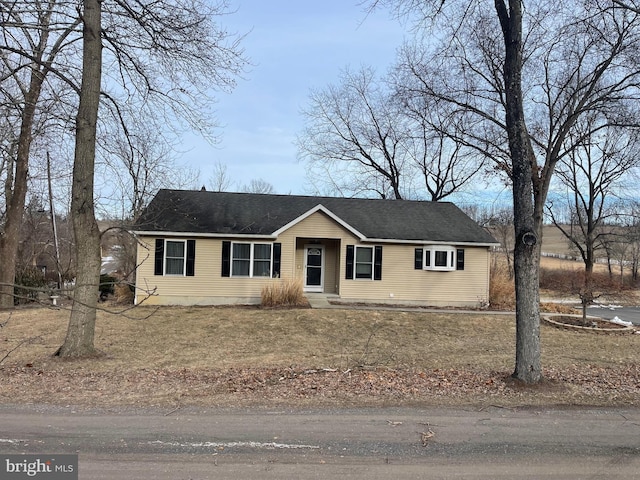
(196, 444)
(628, 314)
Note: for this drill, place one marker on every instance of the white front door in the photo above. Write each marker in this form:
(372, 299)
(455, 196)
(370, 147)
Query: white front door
(314, 268)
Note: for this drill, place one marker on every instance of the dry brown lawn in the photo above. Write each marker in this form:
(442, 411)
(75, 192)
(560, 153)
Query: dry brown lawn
(249, 356)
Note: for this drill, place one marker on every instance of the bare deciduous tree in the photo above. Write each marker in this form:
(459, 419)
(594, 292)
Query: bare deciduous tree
(518, 98)
(592, 173)
(220, 181)
(165, 59)
(258, 185)
(353, 130)
(80, 332)
(30, 48)
(363, 136)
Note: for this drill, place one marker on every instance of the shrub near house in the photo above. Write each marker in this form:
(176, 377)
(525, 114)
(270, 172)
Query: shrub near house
(206, 248)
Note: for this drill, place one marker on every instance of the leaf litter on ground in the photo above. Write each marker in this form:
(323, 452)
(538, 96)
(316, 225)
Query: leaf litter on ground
(249, 356)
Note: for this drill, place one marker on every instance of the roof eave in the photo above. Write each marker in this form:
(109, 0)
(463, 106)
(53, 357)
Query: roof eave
(158, 233)
(430, 242)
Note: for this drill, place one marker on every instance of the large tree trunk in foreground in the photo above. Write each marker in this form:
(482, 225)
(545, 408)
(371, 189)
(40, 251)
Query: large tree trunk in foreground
(527, 226)
(10, 238)
(16, 193)
(80, 332)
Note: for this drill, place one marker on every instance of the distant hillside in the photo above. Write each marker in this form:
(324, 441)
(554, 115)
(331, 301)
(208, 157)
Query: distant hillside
(553, 241)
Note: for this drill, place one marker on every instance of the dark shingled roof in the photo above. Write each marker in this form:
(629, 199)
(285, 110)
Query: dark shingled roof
(201, 212)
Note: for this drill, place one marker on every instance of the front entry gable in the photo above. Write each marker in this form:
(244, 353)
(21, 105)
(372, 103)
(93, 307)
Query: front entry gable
(317, 225)
(320, 208)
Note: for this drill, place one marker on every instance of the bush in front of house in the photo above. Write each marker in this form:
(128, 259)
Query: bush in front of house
(502, 295)
(123, 293)
(106, 287)
(285, 292)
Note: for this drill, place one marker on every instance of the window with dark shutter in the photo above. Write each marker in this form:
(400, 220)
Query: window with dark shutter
(417, 259)
(460, 259)
(277, 254)
(226, 258)
(377, 263)
(191, 258)
(349, 263)
(174, 257)
(158, 268)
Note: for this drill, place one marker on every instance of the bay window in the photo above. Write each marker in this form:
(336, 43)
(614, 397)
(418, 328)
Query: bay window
(442, 258)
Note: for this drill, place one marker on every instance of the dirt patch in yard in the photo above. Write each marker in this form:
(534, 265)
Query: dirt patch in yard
(248, 356)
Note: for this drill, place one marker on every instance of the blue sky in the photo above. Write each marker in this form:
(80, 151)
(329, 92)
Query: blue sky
(294, 46)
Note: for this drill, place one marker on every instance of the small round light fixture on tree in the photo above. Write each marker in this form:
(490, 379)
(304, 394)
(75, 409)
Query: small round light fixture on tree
(529, 239)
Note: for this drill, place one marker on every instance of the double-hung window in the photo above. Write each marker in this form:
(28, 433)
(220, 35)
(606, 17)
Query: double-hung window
(175, 257)
(363, 262)
(241, 260)
(251, 260)
(261, 260)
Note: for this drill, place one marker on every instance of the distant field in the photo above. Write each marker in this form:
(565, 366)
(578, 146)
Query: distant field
(553, 241)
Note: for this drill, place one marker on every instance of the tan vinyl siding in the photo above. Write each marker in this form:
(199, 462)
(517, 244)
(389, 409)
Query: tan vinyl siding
(400, 283)
(207, 286)
(331, 279)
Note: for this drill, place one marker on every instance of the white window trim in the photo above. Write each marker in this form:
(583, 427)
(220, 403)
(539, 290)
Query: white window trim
(355, 262)
(184, 258)
(314, 288)
(251, 259)
(451, 258)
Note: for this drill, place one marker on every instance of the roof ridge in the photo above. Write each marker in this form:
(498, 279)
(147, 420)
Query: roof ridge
(290, 195)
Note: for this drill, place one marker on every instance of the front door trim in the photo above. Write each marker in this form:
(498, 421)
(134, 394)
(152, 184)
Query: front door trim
(313, 287)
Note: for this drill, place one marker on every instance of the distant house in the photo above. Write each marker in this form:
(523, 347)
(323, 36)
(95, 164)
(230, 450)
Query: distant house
(207, 248)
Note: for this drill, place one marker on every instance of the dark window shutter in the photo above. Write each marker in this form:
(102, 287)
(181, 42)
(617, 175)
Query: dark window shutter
(158, 268)
(277, 254)
(377, 263)
(226, 259)
(427, 259)
(349, 267)
(460, 259)
(418, 259)
(191, 258)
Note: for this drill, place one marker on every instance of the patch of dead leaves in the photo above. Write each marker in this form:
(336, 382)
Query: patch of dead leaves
(581, 384)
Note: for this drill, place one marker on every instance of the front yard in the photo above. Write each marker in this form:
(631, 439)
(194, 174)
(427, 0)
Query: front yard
(248, 356)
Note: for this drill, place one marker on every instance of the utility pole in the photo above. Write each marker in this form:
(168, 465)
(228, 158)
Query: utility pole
(53, 222)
